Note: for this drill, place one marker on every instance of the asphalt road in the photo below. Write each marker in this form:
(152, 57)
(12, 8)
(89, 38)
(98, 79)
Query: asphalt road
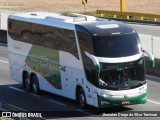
(56, 107)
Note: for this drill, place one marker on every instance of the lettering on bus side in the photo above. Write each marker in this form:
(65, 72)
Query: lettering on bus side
(46, 63)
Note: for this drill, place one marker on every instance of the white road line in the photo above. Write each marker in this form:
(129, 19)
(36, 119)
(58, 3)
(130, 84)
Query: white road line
(153, 76)
(87, 113)
(56, 102)
(35, 95)
(4, 110)
(16, 89)
(4, 61)
(153, 101)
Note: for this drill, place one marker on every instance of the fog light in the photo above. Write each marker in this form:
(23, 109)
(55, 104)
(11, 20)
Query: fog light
(104, 102)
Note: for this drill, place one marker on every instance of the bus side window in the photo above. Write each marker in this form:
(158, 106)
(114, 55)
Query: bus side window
(14, 29)
(85, 43)
(10, 25)
(71, 45)
(26, 32)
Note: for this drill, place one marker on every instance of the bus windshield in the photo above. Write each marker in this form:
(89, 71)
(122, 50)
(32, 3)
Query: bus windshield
(122, 75)
(117, 45)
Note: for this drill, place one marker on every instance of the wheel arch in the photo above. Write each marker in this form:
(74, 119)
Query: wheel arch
(23, 75)
(78, 88)
(33, 74)
(80, 92)
(33, 81)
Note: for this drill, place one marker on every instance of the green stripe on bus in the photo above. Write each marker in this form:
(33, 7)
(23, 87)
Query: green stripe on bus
(45, 61)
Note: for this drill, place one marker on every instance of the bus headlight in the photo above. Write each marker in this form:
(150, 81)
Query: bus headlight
(104, 95)
(104, 102)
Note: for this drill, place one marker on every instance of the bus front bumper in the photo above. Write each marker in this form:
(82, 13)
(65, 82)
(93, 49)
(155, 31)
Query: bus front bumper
(110, 102)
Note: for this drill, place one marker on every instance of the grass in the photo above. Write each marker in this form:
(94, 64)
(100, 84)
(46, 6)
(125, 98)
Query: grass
(3, 118)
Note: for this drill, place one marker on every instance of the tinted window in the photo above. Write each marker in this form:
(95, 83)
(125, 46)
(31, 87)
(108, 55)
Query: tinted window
(122, 75)
(56, 38)
(85, 42)
(71, 45)
(117, 45)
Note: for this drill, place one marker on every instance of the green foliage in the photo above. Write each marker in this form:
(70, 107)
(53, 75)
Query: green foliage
(3, 118)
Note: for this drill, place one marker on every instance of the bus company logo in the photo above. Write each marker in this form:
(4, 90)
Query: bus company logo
(6, 114)
(46, 63)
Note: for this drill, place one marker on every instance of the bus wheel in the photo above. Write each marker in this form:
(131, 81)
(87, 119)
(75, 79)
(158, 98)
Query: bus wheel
(35, 85)
(27, 82)
(82, 98)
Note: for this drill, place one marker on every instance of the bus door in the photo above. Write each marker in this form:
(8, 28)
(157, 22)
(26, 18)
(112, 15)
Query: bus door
(67, 82)
(88, 89)
(89, 93)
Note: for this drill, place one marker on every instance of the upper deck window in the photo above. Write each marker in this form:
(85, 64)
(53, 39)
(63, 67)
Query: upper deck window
(43, 35)
(117, 45)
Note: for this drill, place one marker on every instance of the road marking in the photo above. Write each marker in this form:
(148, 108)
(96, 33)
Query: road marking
(153, 76)
(153, 102)
(16, 89)
(87, 113)
(56, 102)
(4, 110)
(4, 61)
(35, 95)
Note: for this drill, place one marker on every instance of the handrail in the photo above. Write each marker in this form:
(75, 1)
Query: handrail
(128, 14)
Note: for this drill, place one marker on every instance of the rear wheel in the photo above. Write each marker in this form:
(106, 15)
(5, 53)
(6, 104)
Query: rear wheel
(27, 82)
(35, 84)
(81, 98)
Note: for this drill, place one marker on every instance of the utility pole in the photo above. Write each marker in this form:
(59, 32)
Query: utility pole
(84, 2)
(122, 5)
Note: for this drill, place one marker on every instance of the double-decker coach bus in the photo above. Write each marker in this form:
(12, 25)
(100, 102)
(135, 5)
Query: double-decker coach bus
(92, 60)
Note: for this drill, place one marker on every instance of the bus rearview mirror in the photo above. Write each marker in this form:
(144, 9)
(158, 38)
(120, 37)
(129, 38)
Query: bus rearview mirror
(151, 57)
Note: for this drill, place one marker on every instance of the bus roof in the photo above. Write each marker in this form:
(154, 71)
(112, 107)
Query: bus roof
(96, 26)
(107, 28)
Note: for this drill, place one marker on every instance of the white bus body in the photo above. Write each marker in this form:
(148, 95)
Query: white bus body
(95, 61)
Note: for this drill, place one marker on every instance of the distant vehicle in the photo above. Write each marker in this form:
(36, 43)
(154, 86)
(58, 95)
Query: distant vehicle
(92, 60)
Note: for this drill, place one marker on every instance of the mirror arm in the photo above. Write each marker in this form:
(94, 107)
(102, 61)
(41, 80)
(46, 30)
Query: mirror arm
(95, 61)
(151, 57)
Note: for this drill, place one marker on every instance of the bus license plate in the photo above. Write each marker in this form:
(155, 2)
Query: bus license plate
(125, 102)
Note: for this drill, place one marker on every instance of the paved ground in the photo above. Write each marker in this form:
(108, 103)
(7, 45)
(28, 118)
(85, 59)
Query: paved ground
(148, 6)
(146, 29)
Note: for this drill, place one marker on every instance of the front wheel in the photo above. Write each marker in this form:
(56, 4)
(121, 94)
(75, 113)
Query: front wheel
(82, 98)
(35, 85)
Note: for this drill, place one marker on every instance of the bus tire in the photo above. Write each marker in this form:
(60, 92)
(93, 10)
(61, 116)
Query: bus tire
(27, 82)
(81, 98)
(35, 85)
